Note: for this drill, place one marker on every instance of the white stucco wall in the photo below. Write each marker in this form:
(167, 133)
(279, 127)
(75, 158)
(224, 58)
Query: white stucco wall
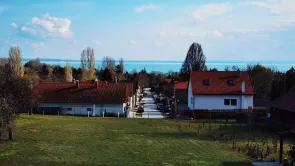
(81, 109)
(190, 96)
(217, 101)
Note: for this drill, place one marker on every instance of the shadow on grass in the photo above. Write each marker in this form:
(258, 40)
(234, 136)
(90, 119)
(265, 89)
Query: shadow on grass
(213, 135)
(233, 163)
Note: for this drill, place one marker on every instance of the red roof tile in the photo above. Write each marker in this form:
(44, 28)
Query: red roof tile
(64, 92)
(180, 85)
(285, 102)
(168, 81)
(219, 83)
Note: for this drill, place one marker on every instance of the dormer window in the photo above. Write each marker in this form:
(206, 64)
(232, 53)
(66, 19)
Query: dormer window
(230, 82)
(206, 82)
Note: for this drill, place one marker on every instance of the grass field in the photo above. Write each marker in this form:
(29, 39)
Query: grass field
(60, 140)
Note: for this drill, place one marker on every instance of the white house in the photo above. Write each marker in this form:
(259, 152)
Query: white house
(82, 98)
(224, 90)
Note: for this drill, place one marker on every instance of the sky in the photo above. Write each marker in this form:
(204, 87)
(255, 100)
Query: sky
(149, 29)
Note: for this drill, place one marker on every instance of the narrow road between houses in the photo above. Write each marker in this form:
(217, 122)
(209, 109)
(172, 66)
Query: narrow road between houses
(150, 108)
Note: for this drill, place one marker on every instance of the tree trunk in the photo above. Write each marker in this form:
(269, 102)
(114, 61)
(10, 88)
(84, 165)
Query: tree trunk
(10, 133)
(10, 130)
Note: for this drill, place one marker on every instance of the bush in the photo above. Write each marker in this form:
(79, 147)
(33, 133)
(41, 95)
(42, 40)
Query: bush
(111, 114)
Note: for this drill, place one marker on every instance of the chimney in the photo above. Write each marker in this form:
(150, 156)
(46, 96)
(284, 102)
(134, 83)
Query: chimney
(96, 82)
(243, 87)
(77, 84)
(116, 79)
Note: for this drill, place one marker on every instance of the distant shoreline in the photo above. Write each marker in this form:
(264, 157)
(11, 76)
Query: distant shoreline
(166, 66)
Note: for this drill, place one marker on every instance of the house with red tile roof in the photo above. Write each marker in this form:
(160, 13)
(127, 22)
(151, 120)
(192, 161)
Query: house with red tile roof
(81, 98)
(220, 90)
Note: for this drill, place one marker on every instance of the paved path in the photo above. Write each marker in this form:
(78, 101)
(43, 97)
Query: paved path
(150, 108)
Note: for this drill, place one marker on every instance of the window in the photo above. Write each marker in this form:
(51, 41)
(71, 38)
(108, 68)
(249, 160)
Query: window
(233, 102)
(89, 109)
(192, 101)
(68, 109)
(230, 82)
(226, 101)
(206, 82)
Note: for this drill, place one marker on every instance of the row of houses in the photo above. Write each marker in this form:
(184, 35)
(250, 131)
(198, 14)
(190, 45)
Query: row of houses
(82, 98)
(205, 90)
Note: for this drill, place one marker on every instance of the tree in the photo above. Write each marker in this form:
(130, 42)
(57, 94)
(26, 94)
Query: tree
(68, 72)
(14, 61)
(120, 70)
(90, 58)
(16, 96)
(87, 64)
(108, 62)
(121, 66)
(290, 79)
(47, 72)
(261, 77)
(195, 59)
(235, 68)
(278, 86)
(32, 76)
(226, 68)
(83, 59)
(34, 65)
(106, 75)
(91, 63)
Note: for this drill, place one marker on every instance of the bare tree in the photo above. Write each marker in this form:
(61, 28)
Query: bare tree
(121, 65)
(226, 68)
(109, 63)
(84, 59)
(87, 64)
(68, 72)
(235, 68)
(195, 59)
(91, 63)
(14, 61)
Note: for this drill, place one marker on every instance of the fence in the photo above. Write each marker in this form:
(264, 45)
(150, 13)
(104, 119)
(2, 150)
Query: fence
(241, 115)
(60, 112)
(147, 115)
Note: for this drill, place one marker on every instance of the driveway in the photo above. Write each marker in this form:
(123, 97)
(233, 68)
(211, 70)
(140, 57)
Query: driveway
(150, 108)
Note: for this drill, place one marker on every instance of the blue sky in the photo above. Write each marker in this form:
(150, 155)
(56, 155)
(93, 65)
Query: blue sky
(149, 30)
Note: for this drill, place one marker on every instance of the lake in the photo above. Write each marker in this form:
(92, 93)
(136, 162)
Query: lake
(165, 66)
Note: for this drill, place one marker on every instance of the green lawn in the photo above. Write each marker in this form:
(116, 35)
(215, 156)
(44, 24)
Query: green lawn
(62, 140)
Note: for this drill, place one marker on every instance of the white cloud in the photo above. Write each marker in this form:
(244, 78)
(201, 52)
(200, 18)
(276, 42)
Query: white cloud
(204, 12)
(281, 13)
(54, 25)
(29, 30)
(134, 42)
(14, 25)
(143, 8)
(37, 46)
(96, 42)
(49, 26)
